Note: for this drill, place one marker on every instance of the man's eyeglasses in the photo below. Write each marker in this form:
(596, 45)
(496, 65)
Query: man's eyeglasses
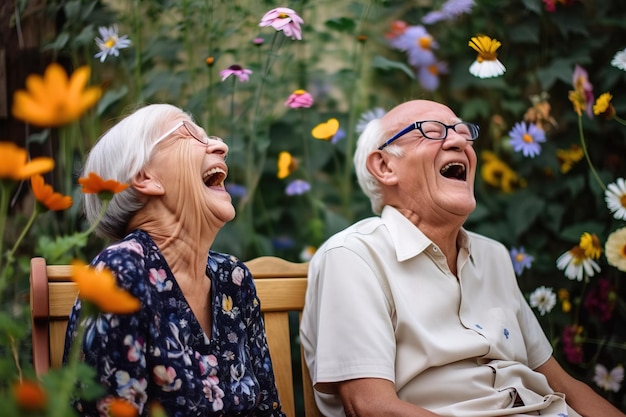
(434, 130)
(193, 131)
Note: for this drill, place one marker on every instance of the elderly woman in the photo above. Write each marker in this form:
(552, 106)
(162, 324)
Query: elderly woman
(197, 345)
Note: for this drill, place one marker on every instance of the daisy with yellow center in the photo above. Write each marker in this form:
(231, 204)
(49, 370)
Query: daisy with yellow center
(615, 249)
(487, 64)
(576, 264)
(615, 197)
(55, 99)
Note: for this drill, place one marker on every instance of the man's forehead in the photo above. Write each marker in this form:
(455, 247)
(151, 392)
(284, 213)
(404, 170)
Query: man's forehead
(409, 112)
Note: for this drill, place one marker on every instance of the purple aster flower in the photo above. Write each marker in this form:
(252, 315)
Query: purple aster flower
(418, 44)
(527, 138)
(110, 42)
(521, 260)
(297, 187)
(428, 75)
(237, 190)
(450, 10)
(287, 20)
(238, 71)
(341, 134)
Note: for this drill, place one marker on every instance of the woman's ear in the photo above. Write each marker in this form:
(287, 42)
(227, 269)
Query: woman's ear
(146, 183)
(380, 165)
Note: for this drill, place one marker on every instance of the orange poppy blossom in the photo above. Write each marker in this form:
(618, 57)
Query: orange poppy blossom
(98, 286)
(55, 99)
(44, 193)
(16, 166)
(30, 395)
(119, 407)
(94, 184)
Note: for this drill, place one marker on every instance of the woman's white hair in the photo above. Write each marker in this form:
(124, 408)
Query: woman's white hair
(372, 137)
(120, 154)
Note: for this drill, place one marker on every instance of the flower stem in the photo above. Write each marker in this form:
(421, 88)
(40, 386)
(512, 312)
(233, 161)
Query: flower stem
(584, 146)
(95, 224)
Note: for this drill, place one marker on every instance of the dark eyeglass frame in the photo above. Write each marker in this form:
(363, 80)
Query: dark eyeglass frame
(473, 128)
(203, 139)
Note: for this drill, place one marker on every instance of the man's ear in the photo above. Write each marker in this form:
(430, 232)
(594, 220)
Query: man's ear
(380, 165)
(146, 183)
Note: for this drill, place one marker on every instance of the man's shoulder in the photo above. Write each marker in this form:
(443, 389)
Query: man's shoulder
(362, 230)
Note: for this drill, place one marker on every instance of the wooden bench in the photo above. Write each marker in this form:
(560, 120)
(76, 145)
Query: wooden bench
(280, 284)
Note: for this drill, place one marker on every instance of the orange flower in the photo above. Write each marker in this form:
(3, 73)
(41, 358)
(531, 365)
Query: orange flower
(93, 184)
(15, 164)
(326, 131)
(29, 395)
(99, 287)
(55, 99)
(46, 195)
(119, 407)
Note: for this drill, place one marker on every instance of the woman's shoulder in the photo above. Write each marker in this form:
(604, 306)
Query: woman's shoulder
(129, 259)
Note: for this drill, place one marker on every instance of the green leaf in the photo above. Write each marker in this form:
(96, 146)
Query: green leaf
(110, 98)
(341, 24)
(383, 63)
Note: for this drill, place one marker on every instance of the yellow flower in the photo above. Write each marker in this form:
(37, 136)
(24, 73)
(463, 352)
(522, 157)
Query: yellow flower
(45, 194)
(327, 130)
(603, 106)
(93, 184)
(591, 245)
(487, 64)
(566, 305)
(15, 164)
(287, 164)
(55, 99)
(30, 395)
(100, 288)
(568, 157)
(498, 174)
(227, 303)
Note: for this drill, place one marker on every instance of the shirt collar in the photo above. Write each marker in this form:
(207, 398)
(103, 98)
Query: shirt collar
(408, 240)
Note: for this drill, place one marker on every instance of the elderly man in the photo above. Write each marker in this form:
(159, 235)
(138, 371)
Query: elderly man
(407, 313)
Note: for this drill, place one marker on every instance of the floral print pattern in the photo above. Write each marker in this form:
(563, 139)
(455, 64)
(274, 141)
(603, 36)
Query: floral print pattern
(161, 352)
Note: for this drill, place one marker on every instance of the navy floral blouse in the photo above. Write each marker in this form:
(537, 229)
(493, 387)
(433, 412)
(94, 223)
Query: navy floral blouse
(161, 353)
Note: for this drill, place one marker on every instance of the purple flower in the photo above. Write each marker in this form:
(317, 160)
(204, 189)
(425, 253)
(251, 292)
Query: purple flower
(258, 41)
(236, 190)
(341, 134)
(287, 20)
(297, 187)
(428, 75)
(521, 260)
(298, 99)
(581, 83)
(418, 44)
(238, 71)
(527, 138)
(450, 10)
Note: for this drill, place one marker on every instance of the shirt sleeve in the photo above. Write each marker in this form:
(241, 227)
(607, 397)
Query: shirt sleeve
(114, 344)
(269, 404)
(361, 343)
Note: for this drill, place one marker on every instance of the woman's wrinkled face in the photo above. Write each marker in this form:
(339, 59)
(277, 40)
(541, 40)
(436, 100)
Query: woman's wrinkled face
(192, 168)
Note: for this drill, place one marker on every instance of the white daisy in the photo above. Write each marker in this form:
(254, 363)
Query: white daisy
(487, 64)
(307, 253)
(615, 249)
(615, 197)
(619, 60)
(368, 116)
(110, 42)
(609, 381)
(576, 264)
(543, 299)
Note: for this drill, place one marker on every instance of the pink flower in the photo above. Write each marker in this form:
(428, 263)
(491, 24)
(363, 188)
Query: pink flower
(282, 18)
(238, 71)
(299, 98)
(572, 345)
(583, 87)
